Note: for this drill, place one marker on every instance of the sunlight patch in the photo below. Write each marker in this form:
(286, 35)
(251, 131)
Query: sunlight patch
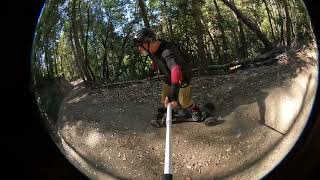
(70, 131)
(289, 108)
(76, 82)
(77, 99)
(284, 104)
(93, 138)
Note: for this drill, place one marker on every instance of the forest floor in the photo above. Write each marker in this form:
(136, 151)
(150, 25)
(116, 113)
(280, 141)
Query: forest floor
(106, 132)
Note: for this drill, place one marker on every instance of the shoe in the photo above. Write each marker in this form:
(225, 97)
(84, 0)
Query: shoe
(155, 123)
(161, 113)
(163, 120)
(211, 122)
(205, 115)
(196, 114)
(160, 118)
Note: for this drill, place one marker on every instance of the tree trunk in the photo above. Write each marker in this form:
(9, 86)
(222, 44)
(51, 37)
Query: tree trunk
(242, 37)
(224, 41)
(293, 21)
(79, 52)
(105, 65)
(269, 18)
(199, 30)
(45, 57)
(48, 60)
(81, 26)
(168, 19)
(214, 44)
(143, 13)
(87, 64)
(76, 60)
(105, 68)
(216, 47)
(56, 64)
(288, 22)
(37, 64)
(273, 12)
(243, 51)
(122, 51)
(250, 24)
(74, 70)
(280, 23)
(61, 66)
(51, 66)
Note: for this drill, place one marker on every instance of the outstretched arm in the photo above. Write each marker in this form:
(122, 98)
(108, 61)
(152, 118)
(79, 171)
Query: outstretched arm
(172, 57)
(152, 70)
(176, 78)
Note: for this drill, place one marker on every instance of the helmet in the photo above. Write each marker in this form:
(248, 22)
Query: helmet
(144, 35)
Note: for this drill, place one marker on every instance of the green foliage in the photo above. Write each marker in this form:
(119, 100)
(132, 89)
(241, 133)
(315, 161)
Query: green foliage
(50, 93)
(107, 31)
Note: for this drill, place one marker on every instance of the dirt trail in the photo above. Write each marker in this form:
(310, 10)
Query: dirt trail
(107, 132)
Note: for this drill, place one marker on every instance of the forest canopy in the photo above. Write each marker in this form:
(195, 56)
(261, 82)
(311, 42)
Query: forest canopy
(92, 39)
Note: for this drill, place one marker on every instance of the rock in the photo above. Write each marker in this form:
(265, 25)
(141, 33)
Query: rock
(124, 157)
(188, 166)
(238, 135)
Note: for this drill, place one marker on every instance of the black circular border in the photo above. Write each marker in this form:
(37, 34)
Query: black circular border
(29, 151)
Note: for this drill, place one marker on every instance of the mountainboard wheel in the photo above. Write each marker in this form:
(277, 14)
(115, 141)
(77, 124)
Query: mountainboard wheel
(210, 121)
(155, 123)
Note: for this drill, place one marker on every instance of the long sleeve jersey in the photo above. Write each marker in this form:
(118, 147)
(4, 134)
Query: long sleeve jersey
(171, 63)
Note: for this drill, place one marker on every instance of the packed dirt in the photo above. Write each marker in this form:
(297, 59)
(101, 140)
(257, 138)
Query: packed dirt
(106, 132)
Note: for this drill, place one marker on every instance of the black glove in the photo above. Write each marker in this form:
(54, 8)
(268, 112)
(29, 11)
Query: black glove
(151, 73)
(174, 91)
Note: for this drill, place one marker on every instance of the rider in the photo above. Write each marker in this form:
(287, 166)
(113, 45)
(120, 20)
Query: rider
(176, 69)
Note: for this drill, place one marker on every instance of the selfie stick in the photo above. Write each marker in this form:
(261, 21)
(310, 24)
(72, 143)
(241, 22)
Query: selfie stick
(168, 146)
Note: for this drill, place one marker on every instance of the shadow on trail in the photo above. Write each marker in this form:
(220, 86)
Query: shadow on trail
(228, 93)
(228, 174)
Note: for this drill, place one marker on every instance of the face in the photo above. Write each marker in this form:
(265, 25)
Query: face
(142, 50)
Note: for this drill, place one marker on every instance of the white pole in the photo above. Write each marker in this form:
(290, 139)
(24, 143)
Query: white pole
(168, 147)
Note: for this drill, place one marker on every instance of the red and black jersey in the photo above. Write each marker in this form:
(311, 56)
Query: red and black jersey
(171, 63)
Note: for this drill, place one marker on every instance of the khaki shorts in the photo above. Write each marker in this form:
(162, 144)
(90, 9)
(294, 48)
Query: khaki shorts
(184, 97)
